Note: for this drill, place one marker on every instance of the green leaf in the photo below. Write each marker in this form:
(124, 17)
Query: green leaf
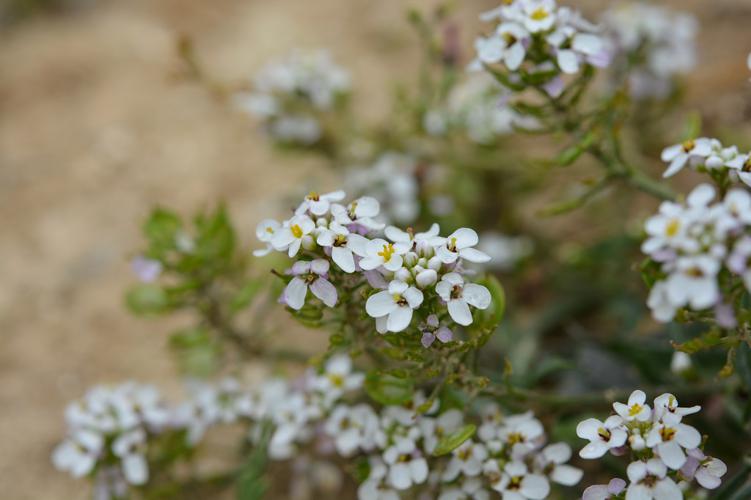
(388, 389)
(147, 300)
(161, 230)
(570, 155)
(491, 317)
(710, 339)
(197, 352)
(251, 483)
(245, 295)
(449, 443)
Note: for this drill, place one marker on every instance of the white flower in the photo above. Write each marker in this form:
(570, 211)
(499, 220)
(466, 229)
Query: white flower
(409, 241)
(459, 296)
(319, 204)
(604, 491)
(660, 304)
(516, 482)
(552, 461)
(294, 234)
(310, 274)
(380, 253)
(706, 470)
(694, 282)
(679, 155)
(338, 378)
(79, 453)
(602, 436)
(467, 459)
(130, 447)
(393, 308)
(406, 466)
(343, 244)
(265, 232)
(649, 481)
(538, 15)
(374, 488)
(521, 433)
(636, 409)
(471, 489)
(667, 405)
(668, 440)
(460, 244)
(680, 363)
(352, 428)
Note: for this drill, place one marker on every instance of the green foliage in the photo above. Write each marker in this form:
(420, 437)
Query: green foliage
(251, 481)
(147, 300)
(389, 389)
(197, 353)
(452, 441)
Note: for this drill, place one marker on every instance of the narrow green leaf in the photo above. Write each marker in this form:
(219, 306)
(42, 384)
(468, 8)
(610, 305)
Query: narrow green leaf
(449, 443)
(387, 389)
(147, 299)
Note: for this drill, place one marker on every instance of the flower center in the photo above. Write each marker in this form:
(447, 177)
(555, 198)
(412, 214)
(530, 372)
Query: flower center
(604, 433)
(509, 39)
(515, 437)
(296, 231)
(464, 454)
(387, 252)
(688, 146)
(400, 301)
(747, 165)
(403, 458)
(672, 228)
(313, 196)
(269, 230)
(667, 433)
(336, 380)
(694, 272)
(515, 483)
(539, 14)
(635, 409)
(452, 244)
(456, 292)
(340, 240)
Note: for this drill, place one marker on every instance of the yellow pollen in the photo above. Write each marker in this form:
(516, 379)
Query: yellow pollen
(695, 272)
(667, 433)
(313, 196)
(296, 231)
(515, 483)
(747, 165)
(634, 410)
(452, 244)
(509, 39)
(269, 230)
(388, 251)
(603, 433)
(688, 145)
(672, 228)
(539, 14)
(515, 437)
(336, 380)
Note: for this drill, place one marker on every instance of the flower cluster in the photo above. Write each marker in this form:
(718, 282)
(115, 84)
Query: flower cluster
(479, 106)
(289, 94)
(108, 436)
(708, 155)
(665, 452)
(412, 274)
(538, 40)
(693, 242)
(654, 44)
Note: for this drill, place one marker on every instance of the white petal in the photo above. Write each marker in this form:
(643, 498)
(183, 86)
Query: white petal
(676, 165)
(399, 319)
(400, 476)
(514, 56)
(476, 295)
(670, 153)
(587, 429)
(294, 294)
(474, 255)
(343, 258)
(672, 454)
(535, 487)
(568, 61)
(587, 43)
(419, 469)
(667, 490)
(135, 469)
(324, 290)
(687, 436)
(414, 297)
(595, 449)
(566, 475)
(465, 237)
(380, 304)
(459, 311)
(557, 453)
(358, 244)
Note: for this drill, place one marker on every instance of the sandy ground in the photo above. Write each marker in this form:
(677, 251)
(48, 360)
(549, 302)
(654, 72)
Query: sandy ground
(93, 131)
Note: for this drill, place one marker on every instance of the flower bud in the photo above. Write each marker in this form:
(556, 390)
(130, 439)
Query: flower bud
(426, 278)
(403, 274)
(410, 259)
(435, 263)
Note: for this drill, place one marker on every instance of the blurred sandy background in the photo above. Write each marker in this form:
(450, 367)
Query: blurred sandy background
(94, 130)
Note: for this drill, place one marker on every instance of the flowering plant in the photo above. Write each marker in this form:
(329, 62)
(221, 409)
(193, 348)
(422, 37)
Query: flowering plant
(426, 385)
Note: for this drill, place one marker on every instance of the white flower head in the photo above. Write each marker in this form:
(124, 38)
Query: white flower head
(516, 482)
(649, 481)
(707, 471)
(552, 461)
(679, 155)
(310, 275)
(669, 441)
(319, 204)
(393, 308)
(460, 244)
(605, 491)
(407, 466)
(602, 436)
(635, 409)
(381, 253)
(459, 296)
(294, 234)
(466, 460)
(343, 245)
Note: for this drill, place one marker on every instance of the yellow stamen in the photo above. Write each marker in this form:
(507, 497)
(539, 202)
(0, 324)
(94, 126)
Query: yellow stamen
(296, 231)
(515, 437)
(388, 251)
(688, 145)
(269, 230)
(604, 433)
(672, 228)
(312, 196)
(539, 14)
(667, 433)
(634, 410)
